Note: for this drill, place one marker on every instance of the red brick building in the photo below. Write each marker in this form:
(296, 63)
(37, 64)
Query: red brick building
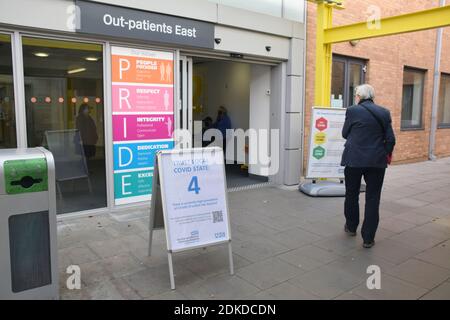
(401, 69)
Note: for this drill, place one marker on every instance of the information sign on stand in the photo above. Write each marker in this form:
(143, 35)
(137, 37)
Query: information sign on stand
(190, 194)
(325, 151)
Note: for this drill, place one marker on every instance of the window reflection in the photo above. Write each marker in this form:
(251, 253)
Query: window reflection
(412, 101)
(354, 81)
(347, 74)
(337, 84)
(444, 102)
(7, 112)
(64, 104)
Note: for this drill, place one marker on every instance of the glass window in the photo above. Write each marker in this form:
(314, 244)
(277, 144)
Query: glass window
(347, 74)
(444, 102)
(355, 79)
(413, 84)
(338, 84)
(7, 112)
(287, 9)
(64, 110)
(294, 10)
(270, 7)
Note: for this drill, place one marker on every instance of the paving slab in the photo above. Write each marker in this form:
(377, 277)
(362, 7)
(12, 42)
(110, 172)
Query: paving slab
(326, 282)
(223, 287)
(295, 238)
(258, 248)
(268, 273)
(123, 264)
(286, 246)
(391, 289)
(349, 296)
(441, 292)
(155, 280)
(438, 255)
(285, 291)
(420, 273)
(417, 239)
(393, 251)
(213, 263)
(395, 225)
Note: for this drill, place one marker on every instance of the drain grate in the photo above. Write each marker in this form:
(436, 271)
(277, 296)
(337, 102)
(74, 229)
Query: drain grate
(251, 186)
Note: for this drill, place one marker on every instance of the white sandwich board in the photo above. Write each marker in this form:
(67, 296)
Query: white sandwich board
(189, 191)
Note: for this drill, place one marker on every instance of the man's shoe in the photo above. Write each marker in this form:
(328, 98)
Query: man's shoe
(368, 245)
(350, 233)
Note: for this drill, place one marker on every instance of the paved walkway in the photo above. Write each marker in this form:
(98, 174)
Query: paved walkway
(286, 246)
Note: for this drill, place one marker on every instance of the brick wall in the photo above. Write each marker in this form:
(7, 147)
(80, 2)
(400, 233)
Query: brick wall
(387, 57)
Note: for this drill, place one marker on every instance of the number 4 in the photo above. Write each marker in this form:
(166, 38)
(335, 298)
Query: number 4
(193, 185)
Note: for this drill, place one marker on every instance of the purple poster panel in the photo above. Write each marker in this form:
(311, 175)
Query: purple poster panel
(127, 98)
(142, 127)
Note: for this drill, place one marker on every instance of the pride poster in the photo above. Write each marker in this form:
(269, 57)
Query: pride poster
(138, 155)
(127, 98)
(133, 186)
(142, 118)
(142, 127)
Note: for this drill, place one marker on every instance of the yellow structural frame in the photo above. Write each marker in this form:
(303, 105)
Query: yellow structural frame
(327, 35)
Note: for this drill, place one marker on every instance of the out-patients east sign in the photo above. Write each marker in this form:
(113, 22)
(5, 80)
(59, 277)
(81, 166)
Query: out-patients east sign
(142, 118)
(114, 21)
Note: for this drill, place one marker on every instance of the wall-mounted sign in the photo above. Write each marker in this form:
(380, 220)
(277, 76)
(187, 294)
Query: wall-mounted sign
(142, 118)
(326, 143)
(103, 19)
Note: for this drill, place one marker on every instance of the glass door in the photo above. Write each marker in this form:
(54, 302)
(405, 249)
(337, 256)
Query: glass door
(65, 113)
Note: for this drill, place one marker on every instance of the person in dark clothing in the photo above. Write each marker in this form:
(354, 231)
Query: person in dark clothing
(368, 150)
(223, 123)
(207, 124)
(88, 131)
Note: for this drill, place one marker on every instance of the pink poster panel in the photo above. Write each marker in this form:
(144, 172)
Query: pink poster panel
(142, 127)
(142, 98)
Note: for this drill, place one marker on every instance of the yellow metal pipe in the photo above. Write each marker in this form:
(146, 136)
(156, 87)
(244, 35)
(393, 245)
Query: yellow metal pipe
(323, 57)
(411, 22)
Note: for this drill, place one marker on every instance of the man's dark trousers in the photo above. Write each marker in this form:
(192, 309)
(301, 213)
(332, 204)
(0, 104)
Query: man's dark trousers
(374, 182)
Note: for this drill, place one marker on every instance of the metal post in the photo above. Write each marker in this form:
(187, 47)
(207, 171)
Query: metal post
(108, 132)
(230, 253)
(155, 195)
(19, 90)
(172, 278)
(150, 235)
(435, 103)
(323, 56)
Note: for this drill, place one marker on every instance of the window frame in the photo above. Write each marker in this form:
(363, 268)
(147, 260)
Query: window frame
(107, 126)
(421, 126)
(443, 125)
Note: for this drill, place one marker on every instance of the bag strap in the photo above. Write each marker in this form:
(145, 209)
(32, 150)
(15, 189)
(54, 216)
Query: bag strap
(376, 118)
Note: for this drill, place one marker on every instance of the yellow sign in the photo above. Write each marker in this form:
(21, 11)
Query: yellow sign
(320, 138)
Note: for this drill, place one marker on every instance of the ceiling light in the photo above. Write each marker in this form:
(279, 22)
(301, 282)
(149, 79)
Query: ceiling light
(76, 70)
(41, 54)
(92, 59)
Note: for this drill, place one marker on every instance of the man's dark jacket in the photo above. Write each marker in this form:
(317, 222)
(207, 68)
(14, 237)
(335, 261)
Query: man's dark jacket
(367, 143)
